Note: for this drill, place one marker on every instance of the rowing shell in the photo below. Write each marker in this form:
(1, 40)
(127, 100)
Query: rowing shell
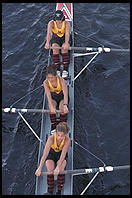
(41, 181)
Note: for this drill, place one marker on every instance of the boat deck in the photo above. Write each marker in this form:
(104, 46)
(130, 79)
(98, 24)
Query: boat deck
(41, 182)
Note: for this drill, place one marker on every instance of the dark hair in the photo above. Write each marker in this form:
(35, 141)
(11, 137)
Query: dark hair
(59, 15)
(62, 127)
(51, 69)
(63, 18)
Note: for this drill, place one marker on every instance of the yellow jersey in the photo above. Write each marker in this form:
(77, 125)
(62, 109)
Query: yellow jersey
(59, 31)
(54, 145)
(57, 89)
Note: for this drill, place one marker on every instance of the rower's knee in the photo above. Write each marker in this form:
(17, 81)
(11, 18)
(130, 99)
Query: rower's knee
(55, 51)
(50, 165)
(63, 165)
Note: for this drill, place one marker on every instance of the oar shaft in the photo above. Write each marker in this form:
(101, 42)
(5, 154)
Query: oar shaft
(65, 172)
(30, 127)
(121, 167)
(90, 170)
(94, 49)
(119, 50)
(15, 110)
(77, 48)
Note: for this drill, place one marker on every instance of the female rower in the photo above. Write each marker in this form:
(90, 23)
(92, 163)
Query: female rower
(58, 33)
(55, 157)
(57, 95)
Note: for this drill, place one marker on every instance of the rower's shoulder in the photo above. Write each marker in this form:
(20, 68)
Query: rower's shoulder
(45, 82)
(61, 79)
(67, 141)
(51, 23)
(50, 139)
(68, 138)
(67, 23)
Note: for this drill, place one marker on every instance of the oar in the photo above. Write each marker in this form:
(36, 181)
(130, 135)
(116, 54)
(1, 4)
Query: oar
(89, 170)
(15, 110)
(99, 49)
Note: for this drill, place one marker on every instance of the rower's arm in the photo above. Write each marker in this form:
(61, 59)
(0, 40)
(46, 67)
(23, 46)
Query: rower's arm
(47, 92)
(65, 90)
(67, 32)
(49, 31)
(64, 151)
(46, 151)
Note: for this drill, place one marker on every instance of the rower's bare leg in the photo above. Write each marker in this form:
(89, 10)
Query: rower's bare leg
(50, 178)
(66, 61)
(50, 165)
(63, 116)
(61, 179)
(63, 165)
(56, 59)
(53, 117)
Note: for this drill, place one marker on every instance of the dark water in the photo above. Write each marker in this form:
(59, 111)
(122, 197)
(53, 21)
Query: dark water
(102, 96)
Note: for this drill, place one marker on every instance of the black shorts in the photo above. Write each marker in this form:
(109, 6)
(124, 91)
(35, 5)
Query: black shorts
(58, 40)
(55, 156)
(57, 97)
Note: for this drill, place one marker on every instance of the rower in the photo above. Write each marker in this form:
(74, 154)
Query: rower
(57, 95)
(55, 157)
(59, 30)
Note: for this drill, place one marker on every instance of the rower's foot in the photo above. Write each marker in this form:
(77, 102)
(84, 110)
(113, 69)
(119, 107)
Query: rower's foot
(59, 192)
(48, 193)
(53, 130)
(64, 74)
(58, 73)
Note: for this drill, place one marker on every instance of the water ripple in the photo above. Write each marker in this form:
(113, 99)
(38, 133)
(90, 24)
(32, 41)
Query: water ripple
(101, 110)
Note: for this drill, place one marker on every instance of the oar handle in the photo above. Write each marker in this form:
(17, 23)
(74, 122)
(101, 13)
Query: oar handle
(65, 172)
(51, 172)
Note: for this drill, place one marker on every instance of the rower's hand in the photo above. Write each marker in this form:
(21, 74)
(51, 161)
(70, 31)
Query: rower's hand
(65, 46)
(47, 45)
(38, 172)
(52, 109)
(56, 171)
(66, 109)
